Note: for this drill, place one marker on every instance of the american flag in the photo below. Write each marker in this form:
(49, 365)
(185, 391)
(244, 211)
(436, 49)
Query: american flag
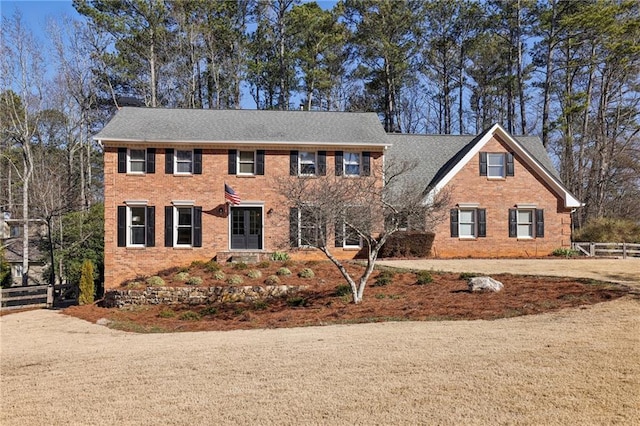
(232, 196)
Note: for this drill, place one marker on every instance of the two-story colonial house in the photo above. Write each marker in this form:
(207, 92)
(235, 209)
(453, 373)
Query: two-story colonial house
(183, 185)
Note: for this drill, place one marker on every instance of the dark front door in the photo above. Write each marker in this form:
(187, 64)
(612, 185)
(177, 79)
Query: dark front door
(246, 228)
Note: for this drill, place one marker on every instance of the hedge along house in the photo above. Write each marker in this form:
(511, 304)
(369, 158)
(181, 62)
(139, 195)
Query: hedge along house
(166, 171)
(506, 199)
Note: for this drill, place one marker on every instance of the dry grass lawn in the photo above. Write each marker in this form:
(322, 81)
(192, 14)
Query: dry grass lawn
(575, 366)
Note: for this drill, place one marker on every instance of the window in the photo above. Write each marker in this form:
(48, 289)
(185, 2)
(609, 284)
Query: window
(246, 162)
(17, 271)
(137, 159)
(346, 235)
(307, 227)
(183, 225)
(468, 222)
(352, 164)
(496, 165)
(184, 162)
(136, 225)
(526, 223)
(307, 161)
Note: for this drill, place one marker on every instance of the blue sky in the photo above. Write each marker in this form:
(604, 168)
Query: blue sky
(36, 12)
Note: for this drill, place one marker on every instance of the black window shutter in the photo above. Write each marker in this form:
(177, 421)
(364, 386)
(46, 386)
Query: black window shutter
(366, 163)
(150, 166)
(339, 163)
(293, 163)
(122, 226)
(260, 162)
(509, 162)
(539, 223)
(513, 223)
(293, 227)
(453, 214)
(483, 164)
(197, 226)
(168, 226)
(168, 161)
(322, 163)
(122, 160)
(482, 222)
(232, 161)
(151, 226)
(339, 233)
(197, 161)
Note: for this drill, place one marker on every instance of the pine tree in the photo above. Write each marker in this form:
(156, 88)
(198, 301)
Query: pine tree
(86, 283)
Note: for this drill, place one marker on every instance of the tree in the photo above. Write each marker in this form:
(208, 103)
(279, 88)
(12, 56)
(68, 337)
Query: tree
(5, 270)
(362, 210)
(87, 288)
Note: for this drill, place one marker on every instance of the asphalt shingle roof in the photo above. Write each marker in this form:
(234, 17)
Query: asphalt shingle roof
(243, 126)
(437, 154)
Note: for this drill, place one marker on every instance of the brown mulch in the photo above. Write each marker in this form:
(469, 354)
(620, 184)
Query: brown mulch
(445, 298)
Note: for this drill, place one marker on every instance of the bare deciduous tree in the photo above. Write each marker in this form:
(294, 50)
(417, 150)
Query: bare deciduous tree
(338, 211)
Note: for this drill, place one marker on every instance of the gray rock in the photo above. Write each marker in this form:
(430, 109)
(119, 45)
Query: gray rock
(484, 284)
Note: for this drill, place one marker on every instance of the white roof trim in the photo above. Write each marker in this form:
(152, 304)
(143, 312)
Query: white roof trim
(570, 201)
(227, 143)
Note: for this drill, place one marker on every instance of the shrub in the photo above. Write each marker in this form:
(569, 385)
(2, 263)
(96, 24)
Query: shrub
(272, 280)
(565, 252)
(283, 271)
(306, 273)
(194, 281)
(260, 305)
(408, 244)
(384, 277)
(87, 288)
(467, 275)
(264, 264)
(423, 277)
(219, 275)
(212, 266)
(198, 264)
(235, 280)
(209, 310)
(155, 281)
(181, 276)
(5, 270)
(297, 301)
(166, 313)
(190, 316)
(608, 230)
(254, 273)
(279, 256)
(343, 290)
(240, 266)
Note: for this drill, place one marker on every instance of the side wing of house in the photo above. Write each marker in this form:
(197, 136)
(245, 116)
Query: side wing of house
(165, 201)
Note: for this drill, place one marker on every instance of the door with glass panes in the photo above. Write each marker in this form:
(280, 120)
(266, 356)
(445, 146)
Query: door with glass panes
(246, 228)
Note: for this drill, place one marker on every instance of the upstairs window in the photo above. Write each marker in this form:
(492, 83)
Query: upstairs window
(307, 163)
(246, 162)
(353, 163)
(183, 162)
(136, 160)
(496, 165)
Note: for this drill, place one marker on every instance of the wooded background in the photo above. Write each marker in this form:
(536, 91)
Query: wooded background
(567, 71)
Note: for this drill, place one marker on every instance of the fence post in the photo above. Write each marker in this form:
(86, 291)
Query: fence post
(624, 250)
(592, 249)
(49, 296)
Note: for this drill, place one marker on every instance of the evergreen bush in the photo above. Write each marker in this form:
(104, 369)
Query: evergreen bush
(87, 286)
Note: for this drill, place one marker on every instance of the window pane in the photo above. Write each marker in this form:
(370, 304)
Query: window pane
(466, 230)
(137, 235)
(307, 157)
(184, 236)
(246, 168)
(525, 216)
(466, 216)
(184, 216)
(137, 215)
(307, 169)
(246, 156)
(136, 154)
(183, 155)
(525, 231)
(351, 237)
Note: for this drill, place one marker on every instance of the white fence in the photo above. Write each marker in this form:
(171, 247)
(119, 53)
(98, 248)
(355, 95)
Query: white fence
(623, 250)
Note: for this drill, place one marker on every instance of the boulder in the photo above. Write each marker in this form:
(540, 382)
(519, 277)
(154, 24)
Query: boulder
(484, 284)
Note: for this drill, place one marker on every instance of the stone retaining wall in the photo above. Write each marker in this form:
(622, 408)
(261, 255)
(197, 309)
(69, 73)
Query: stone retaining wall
(194, 295)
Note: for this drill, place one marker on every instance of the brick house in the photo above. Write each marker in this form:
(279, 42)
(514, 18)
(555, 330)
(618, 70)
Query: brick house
(165, 172)
(506, 199)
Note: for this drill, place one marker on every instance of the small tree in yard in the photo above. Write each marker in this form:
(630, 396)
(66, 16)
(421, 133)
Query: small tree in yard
(359, 211)
(86, 283)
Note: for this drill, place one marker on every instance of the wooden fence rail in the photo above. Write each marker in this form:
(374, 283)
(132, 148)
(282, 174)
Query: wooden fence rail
(36, 296)
(623, 250)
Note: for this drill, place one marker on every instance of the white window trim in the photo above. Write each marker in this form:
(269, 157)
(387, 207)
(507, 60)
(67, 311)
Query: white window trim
(176, 224)
(474, 222)
(301, 243)
(344, 238)
(531, 224)
(175, 162)
(238, 162)
(489, 165)
(144, 161)
(344, 164)
(315, 163)
(130, 224)
(17, 271)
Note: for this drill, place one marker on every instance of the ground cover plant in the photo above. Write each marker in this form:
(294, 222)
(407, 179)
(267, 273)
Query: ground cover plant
(400, 296)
